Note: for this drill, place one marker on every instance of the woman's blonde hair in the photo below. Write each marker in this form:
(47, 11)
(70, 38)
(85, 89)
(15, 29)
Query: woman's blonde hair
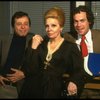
(57, 13)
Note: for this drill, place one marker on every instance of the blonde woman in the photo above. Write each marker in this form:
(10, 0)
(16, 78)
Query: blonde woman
(48, 60)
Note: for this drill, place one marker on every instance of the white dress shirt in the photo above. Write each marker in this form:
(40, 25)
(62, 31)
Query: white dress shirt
(89, 44)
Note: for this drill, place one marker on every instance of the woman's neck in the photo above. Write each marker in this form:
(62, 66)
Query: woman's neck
(54, 43)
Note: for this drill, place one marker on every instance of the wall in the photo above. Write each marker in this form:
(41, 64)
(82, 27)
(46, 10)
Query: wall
(35, 9)
(4, 18)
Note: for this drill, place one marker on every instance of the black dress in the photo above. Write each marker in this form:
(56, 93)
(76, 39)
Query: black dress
(47, 83)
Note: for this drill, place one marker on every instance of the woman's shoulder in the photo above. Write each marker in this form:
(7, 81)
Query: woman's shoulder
(66, 42)
(70, 45)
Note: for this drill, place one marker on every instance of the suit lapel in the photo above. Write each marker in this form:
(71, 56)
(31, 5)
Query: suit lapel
(96, 40)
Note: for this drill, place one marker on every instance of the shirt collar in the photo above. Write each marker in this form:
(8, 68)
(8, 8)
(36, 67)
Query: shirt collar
(88, 37)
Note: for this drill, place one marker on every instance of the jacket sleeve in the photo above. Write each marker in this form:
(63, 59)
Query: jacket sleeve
(30, 64)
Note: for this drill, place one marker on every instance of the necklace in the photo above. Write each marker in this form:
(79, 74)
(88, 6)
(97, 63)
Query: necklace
(50, 52)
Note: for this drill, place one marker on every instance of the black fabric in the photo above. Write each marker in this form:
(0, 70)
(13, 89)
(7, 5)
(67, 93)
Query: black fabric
(15, 54)
(0, 51)
(47, 83)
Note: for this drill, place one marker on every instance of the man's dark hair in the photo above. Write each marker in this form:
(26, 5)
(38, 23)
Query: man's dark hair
(88, 11)
(19, 14)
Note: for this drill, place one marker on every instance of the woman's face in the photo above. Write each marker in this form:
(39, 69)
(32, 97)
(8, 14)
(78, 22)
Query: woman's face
(53, 28)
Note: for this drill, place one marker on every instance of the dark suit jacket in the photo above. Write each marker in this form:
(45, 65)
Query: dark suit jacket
(5, 45)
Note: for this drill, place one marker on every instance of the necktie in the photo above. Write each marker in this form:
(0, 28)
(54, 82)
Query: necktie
(83, 47)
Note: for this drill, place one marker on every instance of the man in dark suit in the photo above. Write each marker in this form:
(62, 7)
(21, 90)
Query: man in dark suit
(83, 22)
(13, 48)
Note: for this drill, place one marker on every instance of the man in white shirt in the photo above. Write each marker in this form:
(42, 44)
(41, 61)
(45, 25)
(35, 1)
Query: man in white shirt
(83, 22)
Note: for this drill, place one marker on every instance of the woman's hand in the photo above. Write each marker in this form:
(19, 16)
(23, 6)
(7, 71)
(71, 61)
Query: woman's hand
(72, 89)
(36, 41)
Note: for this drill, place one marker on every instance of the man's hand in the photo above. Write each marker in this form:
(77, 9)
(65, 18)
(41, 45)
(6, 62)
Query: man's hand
(16, 76)
(2, 79)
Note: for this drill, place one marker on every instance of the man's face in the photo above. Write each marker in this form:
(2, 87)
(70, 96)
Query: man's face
(81, 23)
(21, 26)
